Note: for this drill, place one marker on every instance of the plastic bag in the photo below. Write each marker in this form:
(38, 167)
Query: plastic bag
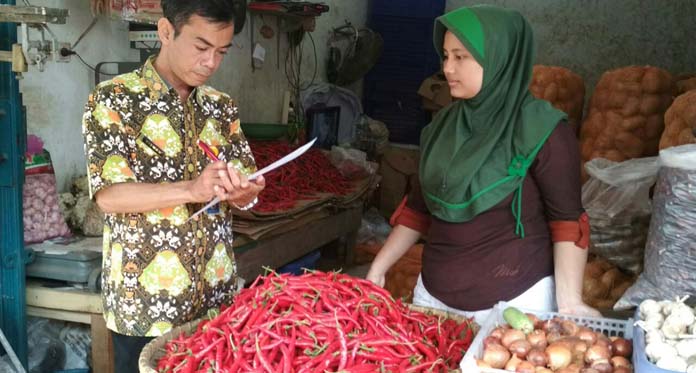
(670, 266)
(352, 163)
(43, 218)
(372, 234)
(374, 228)
(78, 345)
(616, 197)
(47, 352)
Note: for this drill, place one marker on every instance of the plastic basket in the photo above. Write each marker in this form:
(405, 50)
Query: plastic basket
(641, 364)
(610, 327)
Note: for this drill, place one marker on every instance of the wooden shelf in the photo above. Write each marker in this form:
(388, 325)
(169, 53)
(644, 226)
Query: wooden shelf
(140, 18)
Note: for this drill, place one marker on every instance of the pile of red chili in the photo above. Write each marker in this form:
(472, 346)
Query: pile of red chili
(318, 322)
(302, 179)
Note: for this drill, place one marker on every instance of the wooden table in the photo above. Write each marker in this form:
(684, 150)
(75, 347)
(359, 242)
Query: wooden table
(75, 305)
(277, 250)
(82, 306)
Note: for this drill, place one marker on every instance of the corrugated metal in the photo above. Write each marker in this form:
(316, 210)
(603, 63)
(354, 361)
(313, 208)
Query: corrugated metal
(12, 145)
(390, 89)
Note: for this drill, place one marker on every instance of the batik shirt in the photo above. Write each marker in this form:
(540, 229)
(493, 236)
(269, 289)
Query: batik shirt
(160, 270)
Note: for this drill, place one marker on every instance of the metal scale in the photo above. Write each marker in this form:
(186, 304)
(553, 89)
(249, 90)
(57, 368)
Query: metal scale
(74, 261)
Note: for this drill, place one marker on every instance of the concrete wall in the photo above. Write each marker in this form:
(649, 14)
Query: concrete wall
(55, 97)
(593, 36)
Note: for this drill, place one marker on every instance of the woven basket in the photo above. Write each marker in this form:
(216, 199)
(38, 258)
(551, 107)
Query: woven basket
(154, 350)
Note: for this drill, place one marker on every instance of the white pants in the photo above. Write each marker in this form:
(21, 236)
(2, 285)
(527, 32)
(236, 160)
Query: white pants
(540, 297)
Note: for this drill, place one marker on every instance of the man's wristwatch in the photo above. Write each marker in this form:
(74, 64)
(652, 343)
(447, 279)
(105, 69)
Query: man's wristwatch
(247, 207)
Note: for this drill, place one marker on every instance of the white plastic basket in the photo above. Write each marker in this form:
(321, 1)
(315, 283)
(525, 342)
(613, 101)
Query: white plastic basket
(610, 327)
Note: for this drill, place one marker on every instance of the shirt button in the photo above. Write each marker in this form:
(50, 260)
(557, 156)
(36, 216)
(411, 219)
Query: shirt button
(190, 167)
(190, 133)
(199, 233)
(190, 150)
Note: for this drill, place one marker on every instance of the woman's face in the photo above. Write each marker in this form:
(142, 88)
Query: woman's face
(463, 72)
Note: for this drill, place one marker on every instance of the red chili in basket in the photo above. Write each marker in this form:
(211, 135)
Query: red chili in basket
(306, 178)
(318, 322)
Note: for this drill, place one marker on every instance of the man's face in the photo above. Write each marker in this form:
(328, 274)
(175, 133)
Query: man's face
(196, 52)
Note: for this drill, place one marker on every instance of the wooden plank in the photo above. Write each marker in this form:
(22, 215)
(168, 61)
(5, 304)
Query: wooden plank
(32, 14)
(81, 318)
(63, 299)
(282, 249)
(102, 347)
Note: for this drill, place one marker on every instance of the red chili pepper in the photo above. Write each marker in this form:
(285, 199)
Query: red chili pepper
(318, 322)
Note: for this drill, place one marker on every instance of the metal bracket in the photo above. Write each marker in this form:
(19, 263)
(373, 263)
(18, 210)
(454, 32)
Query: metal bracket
(34, 52)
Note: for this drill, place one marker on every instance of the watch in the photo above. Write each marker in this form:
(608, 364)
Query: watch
(247, 207)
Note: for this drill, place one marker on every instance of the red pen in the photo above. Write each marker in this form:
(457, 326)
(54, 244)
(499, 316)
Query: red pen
(208, 151)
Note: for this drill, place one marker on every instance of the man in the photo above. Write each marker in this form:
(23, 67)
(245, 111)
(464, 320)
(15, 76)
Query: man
(148, 175)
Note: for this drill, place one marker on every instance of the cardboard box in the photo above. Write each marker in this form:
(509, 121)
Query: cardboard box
(130, 7)
(435, 92)
(150, 6)
(399, 170)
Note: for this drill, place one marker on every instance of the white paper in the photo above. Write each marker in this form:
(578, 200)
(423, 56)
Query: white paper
(291, 156)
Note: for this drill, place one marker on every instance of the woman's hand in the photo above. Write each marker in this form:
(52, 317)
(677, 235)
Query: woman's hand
(376, 277)
(578, 309)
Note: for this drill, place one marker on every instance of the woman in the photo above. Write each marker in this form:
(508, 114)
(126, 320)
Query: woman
(499, 191)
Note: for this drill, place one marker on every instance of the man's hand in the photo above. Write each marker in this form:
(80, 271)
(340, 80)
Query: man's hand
(203, 188)
(236, 188)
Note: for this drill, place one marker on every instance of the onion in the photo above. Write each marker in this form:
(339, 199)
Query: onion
(622, 347)
(567, 342)
(604, 341)
(569, 328)
(498, 332)
(537, 338)
(587, 335)
(535, 320)
(537, 357)
(482, 364)
(512, 335)
(551, 326)
(620, 361)
(596, 353)
(520, 348)
(543, 370)
(496, 356)
(602, 366)
(580, 347)
(525, 367)
(491, 340)
(559, 356)
(512, 364)
(589, 370)
(623, 370)
(552, 337)
(569, 369)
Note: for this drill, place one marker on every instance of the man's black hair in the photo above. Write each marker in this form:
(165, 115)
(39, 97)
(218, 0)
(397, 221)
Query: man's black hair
(178, 12)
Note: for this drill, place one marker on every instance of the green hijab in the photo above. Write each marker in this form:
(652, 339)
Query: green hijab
(476, 152)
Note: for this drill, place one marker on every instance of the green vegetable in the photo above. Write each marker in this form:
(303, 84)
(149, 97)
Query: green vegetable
(518, 320)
